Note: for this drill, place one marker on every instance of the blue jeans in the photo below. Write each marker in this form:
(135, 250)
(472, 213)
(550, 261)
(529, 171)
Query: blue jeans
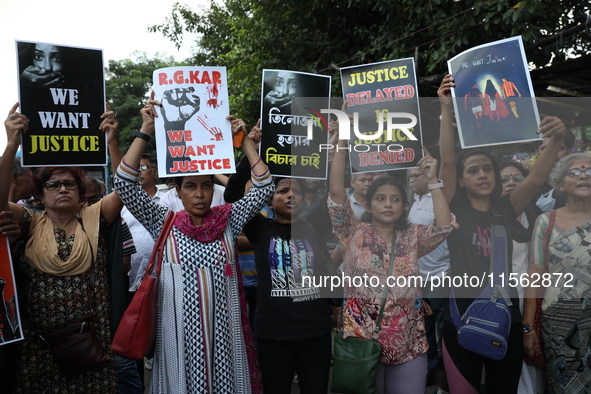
(128, 376)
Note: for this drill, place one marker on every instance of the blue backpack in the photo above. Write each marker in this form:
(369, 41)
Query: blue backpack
(484, 326)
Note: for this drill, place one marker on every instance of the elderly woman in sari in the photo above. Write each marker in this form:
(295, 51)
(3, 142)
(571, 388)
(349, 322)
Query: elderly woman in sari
(62, 243)
(560, 258)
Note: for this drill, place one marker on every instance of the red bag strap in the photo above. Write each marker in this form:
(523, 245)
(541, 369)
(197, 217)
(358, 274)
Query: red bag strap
(160, 245)
(547, 235)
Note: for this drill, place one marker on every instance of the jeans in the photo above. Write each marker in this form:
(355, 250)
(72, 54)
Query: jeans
(128, 376)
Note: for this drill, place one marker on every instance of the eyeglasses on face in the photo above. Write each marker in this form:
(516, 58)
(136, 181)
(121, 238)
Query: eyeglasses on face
(576, 172)
(516, 178)
(413, 177)
(144, 168)
(55, 186)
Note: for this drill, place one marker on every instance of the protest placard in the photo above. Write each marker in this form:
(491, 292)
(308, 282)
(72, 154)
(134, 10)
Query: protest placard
(193, 136)
(293, 127)
(62, 92)
(383, 99)
(10, 326)
(493, 98)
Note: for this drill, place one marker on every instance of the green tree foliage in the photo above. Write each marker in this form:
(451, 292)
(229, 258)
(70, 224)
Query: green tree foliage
(128, 84)
(322, 35)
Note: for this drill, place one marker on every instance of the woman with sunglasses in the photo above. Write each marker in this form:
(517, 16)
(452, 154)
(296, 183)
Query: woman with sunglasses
(560, 254)
(62, 243)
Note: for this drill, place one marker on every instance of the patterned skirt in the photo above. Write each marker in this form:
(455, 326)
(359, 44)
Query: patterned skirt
(566, 329)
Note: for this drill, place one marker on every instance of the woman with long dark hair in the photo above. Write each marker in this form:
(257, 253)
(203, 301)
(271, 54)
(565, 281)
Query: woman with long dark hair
(473, 189)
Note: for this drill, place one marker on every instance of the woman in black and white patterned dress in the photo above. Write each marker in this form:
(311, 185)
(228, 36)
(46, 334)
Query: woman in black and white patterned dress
(203, 341)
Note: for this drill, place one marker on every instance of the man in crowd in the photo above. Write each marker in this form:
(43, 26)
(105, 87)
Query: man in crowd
(433, 264)
(19, 182)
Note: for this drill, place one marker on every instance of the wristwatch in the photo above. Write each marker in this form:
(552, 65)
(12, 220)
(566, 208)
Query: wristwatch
(139, 134)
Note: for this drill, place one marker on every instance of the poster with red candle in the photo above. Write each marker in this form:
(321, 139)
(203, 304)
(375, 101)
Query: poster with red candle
(10, 327)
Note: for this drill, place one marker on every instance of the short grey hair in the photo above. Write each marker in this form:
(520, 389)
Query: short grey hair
(559, 171)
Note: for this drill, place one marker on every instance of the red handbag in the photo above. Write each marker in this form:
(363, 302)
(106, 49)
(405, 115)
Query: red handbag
(136, 334)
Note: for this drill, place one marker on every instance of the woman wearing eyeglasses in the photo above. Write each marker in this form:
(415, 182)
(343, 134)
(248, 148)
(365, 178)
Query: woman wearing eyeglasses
(560, 255)
(54, 280)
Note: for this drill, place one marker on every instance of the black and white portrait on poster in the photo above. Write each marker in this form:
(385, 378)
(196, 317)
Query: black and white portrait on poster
(62, 92)
(290, 101)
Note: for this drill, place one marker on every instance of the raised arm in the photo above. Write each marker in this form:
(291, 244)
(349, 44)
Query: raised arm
(448, 172)
(110, 125)
(249, 145)
(553, 128)
(111, 205)
(337, 169)
(237, 182)
(428, 166)
(134, 153)
(15, 124)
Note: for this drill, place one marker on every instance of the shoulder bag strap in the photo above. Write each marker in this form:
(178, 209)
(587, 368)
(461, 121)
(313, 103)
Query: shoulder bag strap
(385, 296)
(159, 246)
(91, 271)
(499, 259)
(547, 236)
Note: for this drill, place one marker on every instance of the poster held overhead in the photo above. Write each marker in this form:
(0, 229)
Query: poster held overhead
(383, 98)
(493, 95)
(193, 136)
(62, 92)
(292, 124)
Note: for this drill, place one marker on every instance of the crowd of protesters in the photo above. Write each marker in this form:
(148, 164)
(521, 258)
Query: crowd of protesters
(208, 341)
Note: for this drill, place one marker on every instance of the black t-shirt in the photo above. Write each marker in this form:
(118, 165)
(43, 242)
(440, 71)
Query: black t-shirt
(288, 309)
(470, 248)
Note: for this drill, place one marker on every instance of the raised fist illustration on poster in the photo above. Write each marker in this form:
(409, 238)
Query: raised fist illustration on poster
(178, 106)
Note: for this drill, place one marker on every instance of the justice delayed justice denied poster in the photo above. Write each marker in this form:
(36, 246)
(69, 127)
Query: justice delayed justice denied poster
(193, 135)
(383, 100)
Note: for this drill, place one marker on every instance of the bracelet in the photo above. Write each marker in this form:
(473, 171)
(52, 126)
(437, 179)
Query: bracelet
(438, 185)
(139, 134)
(529, 333)
(261, 175)
(526, 328)
(255, 163)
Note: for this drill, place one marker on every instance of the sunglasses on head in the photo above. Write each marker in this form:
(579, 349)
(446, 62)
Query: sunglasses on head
(55, 186)
(516, 178)
(576, 172)
(144, 168)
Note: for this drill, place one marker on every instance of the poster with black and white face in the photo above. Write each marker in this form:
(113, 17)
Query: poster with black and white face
(294, 127)
(62, 92)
